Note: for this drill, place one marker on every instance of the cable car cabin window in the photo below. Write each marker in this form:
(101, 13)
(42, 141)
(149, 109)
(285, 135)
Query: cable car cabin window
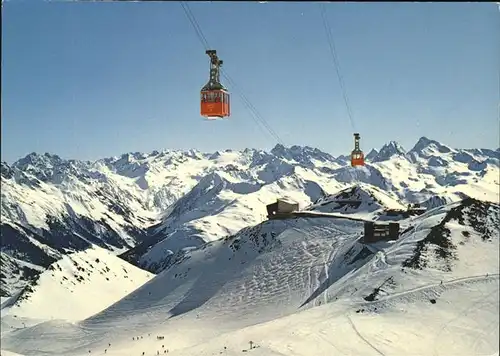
(213, 97)
(217, 97)
(203, 97)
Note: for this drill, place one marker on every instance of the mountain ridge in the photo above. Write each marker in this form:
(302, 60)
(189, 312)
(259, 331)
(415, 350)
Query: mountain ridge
(143, 204)
(280, 270)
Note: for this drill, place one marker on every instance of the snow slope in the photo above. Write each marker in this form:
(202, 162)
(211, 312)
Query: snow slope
(75, 287)
(363, 200)
(216, 206)
(149, 206)
(47, 213)
(261, 284)
(407, 329)
(220, 212)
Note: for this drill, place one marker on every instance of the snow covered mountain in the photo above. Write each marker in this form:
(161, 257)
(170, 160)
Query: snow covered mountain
(363, 200)
(387, 151)
(373, 153)
(148, 207)
(50, 207)
(95, 273)
(255, 291)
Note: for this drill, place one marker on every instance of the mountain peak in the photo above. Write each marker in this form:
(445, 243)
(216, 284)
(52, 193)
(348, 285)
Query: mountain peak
(425, 143)
(36, 159)
(389, 150)
(301, 154)
(371, 154)
(6, 171)
(279, 148)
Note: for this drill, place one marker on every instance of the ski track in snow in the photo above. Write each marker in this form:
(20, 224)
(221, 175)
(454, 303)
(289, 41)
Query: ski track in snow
(361, 336)
(271, 288)
(294, 287)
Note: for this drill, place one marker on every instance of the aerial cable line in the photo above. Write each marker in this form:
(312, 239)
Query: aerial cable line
(253, 111)
(194, 23)
(248, 104)
(251, 107)
(333, 52)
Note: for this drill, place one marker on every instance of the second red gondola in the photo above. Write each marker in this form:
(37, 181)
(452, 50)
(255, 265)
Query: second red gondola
(357, 156)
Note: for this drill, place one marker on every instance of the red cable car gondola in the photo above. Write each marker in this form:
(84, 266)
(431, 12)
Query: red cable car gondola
(214, 96)
(357, 156)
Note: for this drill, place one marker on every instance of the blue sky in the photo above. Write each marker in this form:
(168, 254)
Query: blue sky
(90, 80)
